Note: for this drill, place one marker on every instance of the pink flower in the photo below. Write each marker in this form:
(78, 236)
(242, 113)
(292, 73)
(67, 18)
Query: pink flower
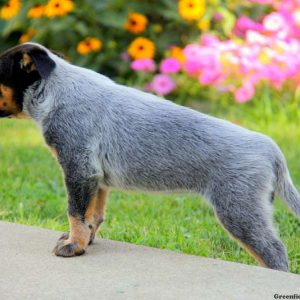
(192, 67)
(209, 76)
(162, 84)
(207, 62)
(204, 57)
(255, 78)
(196, 58)
(287, 5)
(124, 56)
(275, 74)
(246, 65)
(262, 1)
(243, 24)
(209, 40)
(253, 37)
(228, 46)
(192, 52)
(274, 22)
(170, 65)
(296, 17)
(145, 65)
(267, 52)
(217, 16)
(245, 92)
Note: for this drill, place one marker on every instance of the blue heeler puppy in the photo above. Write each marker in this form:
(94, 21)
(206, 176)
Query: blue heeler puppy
(108, 135)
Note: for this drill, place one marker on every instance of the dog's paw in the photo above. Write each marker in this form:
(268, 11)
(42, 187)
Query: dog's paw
(67, 248)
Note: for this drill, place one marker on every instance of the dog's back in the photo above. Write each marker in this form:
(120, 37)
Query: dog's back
(145, 142)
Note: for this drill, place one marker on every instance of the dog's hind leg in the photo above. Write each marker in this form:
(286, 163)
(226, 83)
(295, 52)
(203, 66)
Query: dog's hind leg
(250, 223)
(99, 210)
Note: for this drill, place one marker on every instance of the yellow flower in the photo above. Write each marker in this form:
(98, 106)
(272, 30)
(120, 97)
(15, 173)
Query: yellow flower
(10, 9)
(191, 9)
(56, 8)
(27, 36)
(89, 45)
(203, 25)
(141, 48)
(177, 53)
(36, 12)
(136, 23)
(95, 43)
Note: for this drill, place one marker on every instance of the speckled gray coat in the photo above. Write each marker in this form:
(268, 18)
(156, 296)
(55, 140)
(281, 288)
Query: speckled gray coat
(111, 135)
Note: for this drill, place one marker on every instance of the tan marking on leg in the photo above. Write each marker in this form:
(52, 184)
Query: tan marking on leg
(82, 233)
(251, 252)
(247, 248)
(89, 214)
(102, 196)
(79, 232)
(99, 211)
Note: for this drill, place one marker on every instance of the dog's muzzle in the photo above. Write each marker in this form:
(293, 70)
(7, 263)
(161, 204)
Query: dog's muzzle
(4, 114)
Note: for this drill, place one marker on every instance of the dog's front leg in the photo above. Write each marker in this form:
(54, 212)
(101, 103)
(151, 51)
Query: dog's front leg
(82, 197)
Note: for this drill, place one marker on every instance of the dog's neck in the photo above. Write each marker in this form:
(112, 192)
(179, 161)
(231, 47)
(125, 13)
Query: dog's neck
(37, 102)
(43, 97)
(46, 96)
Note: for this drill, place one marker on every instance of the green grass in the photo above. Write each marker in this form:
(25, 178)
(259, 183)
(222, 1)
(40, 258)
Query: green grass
(32, 191)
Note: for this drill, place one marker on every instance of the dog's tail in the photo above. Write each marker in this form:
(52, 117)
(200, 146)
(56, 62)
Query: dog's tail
(285, 187)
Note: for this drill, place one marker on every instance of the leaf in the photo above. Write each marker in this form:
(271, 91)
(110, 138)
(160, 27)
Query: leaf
(81, 28)
(112, 19)
(11, 26)
(228, 20)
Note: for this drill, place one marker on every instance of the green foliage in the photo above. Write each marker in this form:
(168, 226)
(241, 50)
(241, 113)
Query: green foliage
(104, 20)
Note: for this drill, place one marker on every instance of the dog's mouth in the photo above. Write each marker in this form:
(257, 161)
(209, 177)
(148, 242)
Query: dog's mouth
(4, 114)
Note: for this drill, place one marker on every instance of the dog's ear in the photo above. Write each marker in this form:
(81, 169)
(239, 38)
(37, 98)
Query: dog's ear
(58, 54)
(37, 59)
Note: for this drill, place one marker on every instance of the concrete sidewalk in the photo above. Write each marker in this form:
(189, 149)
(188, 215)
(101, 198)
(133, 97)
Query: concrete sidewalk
(114, 270)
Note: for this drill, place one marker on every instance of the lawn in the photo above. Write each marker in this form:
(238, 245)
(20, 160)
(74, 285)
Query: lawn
(32, 190)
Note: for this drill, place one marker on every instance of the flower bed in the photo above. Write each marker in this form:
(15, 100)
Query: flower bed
(165, 48)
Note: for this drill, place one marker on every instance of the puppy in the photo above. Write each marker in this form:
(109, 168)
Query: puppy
(108, 135)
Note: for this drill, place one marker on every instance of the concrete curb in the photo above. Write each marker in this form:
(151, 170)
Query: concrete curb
(115, 270)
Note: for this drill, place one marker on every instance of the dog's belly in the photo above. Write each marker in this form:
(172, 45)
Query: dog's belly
(154, 175)
(155, 187)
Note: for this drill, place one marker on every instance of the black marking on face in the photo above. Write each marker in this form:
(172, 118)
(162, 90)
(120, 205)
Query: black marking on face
(20, 67)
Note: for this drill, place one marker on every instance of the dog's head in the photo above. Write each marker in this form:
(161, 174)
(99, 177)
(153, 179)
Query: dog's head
(20, 67)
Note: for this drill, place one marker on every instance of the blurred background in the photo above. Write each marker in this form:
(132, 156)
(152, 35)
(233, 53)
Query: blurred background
(237, 60)
(187, 49)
